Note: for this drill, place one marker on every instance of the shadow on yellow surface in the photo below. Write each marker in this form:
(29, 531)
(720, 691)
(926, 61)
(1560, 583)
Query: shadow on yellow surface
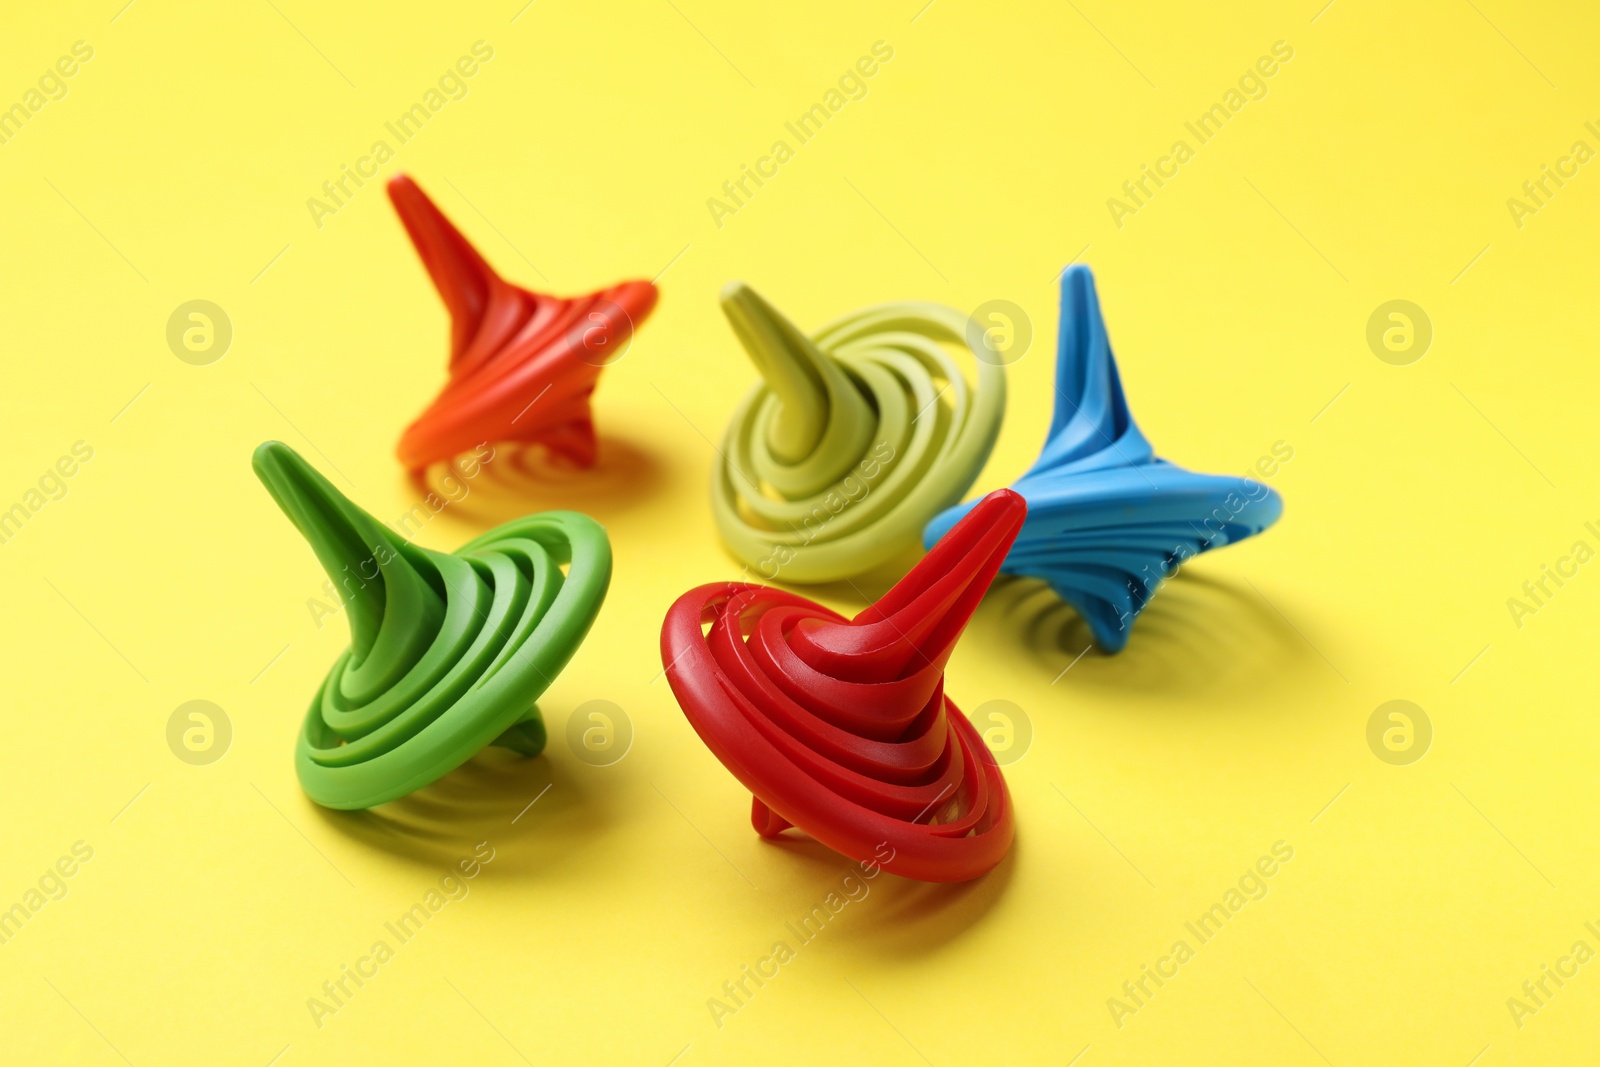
(525, 479)
(1198, 633)
(910, 918)
(534, 804)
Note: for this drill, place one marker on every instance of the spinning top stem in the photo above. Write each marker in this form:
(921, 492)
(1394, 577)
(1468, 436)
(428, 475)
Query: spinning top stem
(462, 276)
(819, 409)
(391, 590)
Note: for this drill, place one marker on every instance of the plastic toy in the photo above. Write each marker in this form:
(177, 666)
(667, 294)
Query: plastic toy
(842, 727)
(522, 364)
(854, 439)
(1107, 520)
(447, 652)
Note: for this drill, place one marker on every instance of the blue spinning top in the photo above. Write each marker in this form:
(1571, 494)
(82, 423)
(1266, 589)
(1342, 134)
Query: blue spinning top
(1107, 520)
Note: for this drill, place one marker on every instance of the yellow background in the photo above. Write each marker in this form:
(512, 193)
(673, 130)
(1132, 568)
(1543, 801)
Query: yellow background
(1378, 167)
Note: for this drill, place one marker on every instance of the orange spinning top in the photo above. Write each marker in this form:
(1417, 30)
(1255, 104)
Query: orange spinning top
(522, 364)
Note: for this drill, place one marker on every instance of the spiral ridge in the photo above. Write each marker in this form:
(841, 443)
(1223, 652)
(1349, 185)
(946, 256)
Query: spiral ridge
(1108, 521)
(853, 440)
(523, 365)
(842, 727)
(448, 652)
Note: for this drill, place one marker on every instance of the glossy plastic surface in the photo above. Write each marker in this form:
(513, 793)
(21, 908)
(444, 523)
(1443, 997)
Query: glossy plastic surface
(853, 440)
(1108, 522)
(841, 727)
(522, 364)
(448, 652)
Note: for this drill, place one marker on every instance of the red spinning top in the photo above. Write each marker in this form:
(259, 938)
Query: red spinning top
(841, 727)
(522, 364)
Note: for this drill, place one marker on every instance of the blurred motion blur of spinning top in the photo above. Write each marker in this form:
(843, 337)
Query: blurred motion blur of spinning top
(448, 652)
(841, 727)
(522, 364)
(853, 440)
(1107, 520)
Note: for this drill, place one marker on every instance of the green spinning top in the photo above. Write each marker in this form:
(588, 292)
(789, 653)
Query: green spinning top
(855, 437)
(448, 652)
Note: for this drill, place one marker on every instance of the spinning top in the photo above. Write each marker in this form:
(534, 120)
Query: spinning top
(841, 727)
(1107, 520)
(447, 652)
(522, 364)
(853, 440)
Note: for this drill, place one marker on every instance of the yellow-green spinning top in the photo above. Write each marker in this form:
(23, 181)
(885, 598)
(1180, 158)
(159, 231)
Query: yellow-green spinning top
(853, 440)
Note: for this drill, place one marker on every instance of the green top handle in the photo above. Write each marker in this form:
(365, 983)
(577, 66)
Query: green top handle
(448, 652)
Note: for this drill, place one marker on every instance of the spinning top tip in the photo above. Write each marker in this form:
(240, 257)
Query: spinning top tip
(1006, 506)
(286, 475)
(344, 537)
(412, 204)
(805, 381)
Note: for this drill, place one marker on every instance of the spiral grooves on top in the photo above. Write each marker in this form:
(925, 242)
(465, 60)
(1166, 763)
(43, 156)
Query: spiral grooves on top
(448, 653)
(1108, 521)
(854, 439)
(522, 364)
(842, 727)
